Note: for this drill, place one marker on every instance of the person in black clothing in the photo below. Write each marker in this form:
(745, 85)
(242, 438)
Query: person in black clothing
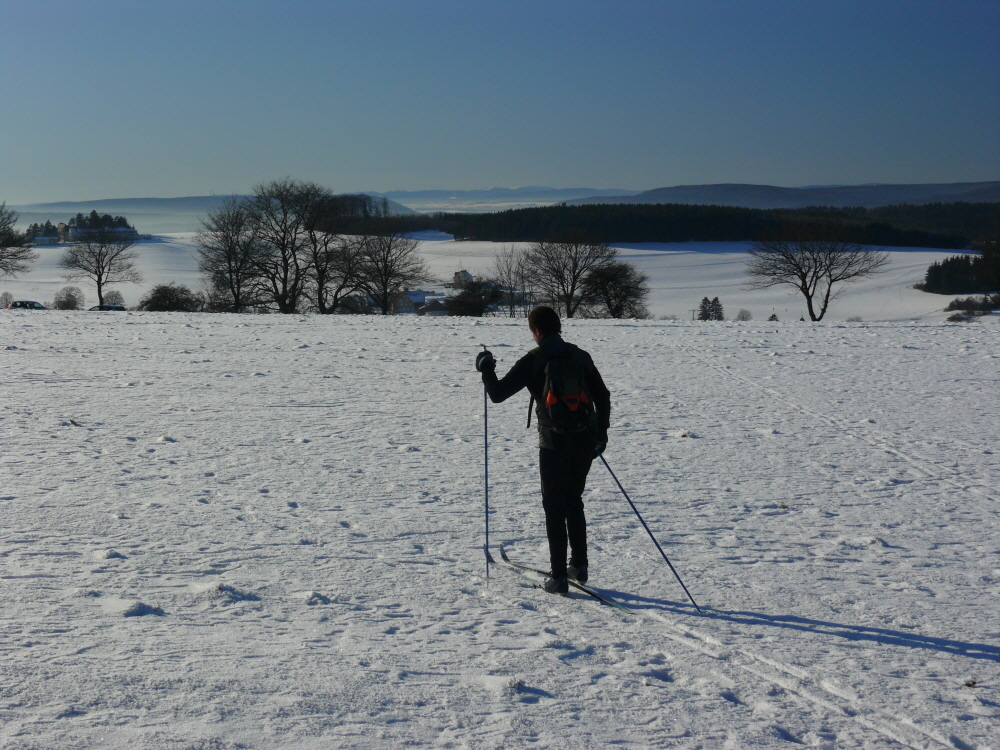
(564, 458)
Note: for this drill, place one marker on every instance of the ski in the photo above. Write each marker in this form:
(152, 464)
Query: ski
(575, 584)
(513, 568)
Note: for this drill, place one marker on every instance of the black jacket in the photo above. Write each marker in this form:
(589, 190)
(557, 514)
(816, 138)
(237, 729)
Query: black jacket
(529, 372)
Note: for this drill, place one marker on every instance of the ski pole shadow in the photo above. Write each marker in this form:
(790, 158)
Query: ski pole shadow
(854, 633)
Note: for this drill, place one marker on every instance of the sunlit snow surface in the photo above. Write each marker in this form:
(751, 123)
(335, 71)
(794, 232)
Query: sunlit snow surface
(266, 532)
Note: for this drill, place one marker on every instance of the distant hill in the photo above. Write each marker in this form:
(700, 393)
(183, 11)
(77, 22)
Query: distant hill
(769, 196)
(147, 215)
(495, 199)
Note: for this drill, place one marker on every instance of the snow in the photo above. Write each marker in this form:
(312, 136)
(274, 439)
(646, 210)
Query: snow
(266, 531)
(680, 275)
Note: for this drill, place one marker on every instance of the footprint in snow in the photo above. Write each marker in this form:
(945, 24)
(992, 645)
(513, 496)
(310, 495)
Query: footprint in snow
(223, 593)
(141, 609)
(130, 608)
(313, 598)
(108, 554)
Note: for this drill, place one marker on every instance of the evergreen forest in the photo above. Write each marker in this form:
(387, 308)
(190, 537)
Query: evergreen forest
(947, 226)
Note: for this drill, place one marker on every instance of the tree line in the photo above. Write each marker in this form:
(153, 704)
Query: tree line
(965, 274)
(975, 221)
(294, 246)
(578, 276)
(978, 273)
(48, 229)
(682, 223)
(97, 221)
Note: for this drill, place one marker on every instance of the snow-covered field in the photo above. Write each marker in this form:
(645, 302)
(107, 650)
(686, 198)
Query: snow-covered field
(223, 531)
(680, 274)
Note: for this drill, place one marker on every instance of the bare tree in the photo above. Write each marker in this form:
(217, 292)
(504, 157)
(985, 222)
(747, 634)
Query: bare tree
(337, 271)
(814, 267)
(15, 247)
(335, 259)
(390, 262)
(616, 290)
(510, 275)
(227, 250)
(104, 256)
(278, 212)
(559, 270)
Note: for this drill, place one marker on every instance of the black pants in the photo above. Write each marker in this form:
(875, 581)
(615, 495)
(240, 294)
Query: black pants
(564, 472)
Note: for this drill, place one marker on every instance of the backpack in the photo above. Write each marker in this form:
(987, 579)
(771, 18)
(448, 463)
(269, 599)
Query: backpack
(566, 405)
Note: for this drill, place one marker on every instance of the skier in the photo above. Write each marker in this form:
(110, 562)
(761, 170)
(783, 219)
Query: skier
(566, 447)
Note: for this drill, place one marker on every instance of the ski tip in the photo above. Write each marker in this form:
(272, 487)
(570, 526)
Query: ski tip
(489, 557)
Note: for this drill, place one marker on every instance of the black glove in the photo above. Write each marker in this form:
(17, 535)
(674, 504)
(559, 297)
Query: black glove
(485, 361)
(602, 442)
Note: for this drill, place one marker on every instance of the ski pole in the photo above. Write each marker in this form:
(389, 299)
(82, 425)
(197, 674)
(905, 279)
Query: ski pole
(650, 534)
(486, 476)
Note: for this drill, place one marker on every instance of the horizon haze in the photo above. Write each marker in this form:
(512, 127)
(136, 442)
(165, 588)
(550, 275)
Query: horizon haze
(184, 214)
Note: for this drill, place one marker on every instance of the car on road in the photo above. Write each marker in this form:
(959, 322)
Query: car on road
(107, 307)
(26, 304)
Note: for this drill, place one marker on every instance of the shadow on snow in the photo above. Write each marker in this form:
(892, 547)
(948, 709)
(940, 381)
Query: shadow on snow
(820, 627)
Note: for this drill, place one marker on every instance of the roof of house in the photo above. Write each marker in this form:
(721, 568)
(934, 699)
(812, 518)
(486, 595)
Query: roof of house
(435, 305)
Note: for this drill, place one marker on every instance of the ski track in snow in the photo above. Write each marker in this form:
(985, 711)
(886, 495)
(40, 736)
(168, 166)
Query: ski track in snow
(266, 531)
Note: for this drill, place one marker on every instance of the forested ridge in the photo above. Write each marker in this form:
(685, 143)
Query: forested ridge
(949, 226)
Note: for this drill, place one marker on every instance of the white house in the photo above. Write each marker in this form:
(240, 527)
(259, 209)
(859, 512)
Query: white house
(460, 279)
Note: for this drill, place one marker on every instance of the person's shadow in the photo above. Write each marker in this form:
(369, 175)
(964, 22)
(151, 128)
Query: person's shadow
(819, 627)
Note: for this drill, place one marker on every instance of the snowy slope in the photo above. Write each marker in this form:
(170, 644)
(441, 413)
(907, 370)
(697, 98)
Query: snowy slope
(680, 275)
(265, 532)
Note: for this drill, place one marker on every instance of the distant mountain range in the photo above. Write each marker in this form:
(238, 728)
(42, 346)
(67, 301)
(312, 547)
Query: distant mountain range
(769, 196)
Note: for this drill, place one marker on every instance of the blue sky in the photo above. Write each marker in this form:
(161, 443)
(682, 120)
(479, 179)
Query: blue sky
(164, 98)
